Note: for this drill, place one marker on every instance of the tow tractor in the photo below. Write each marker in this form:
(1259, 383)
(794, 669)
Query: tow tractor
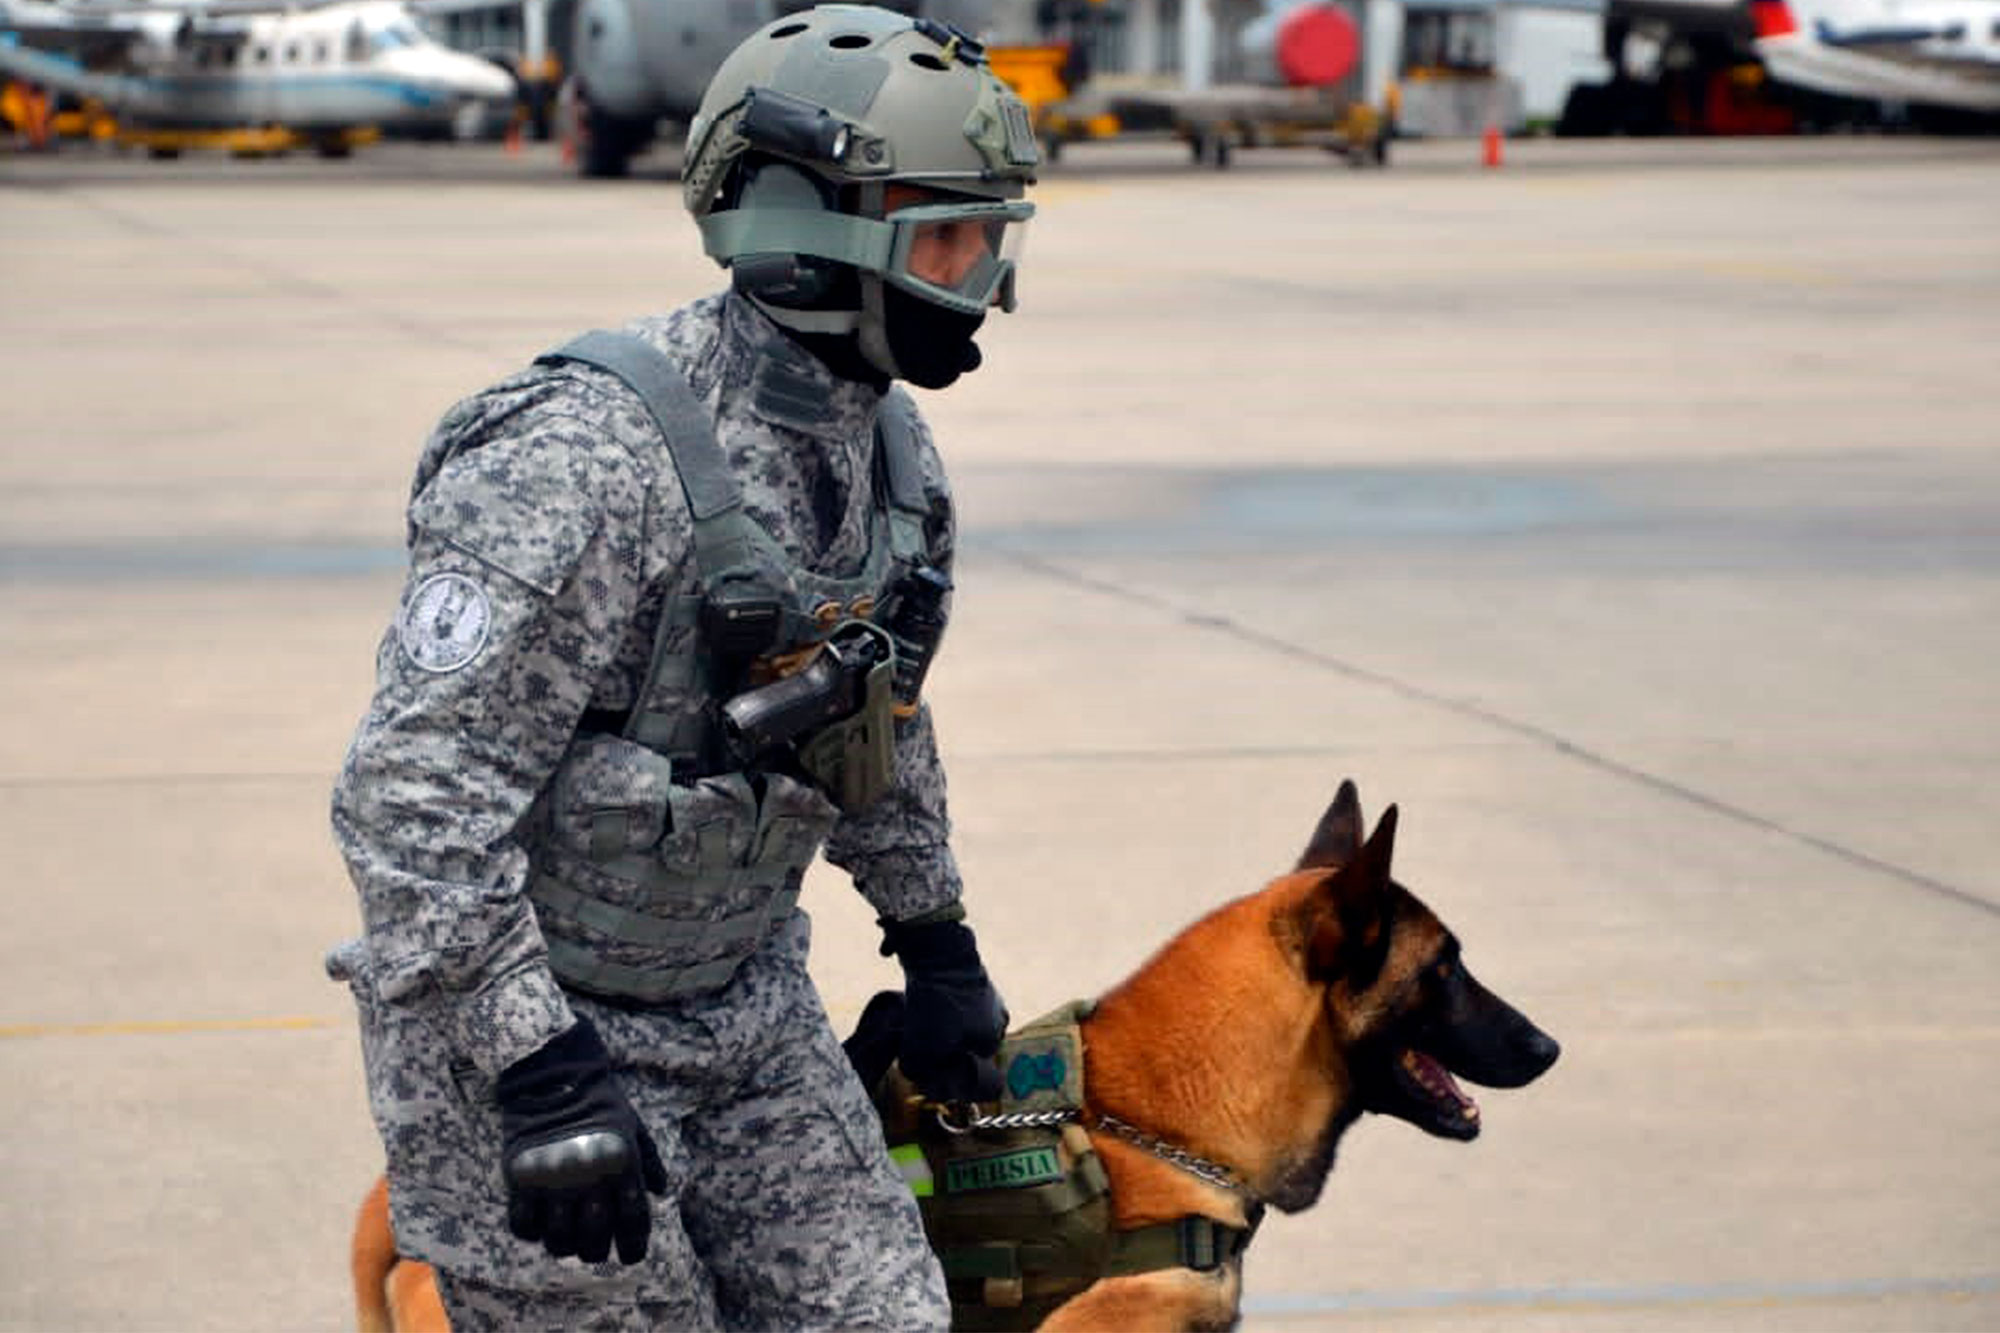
(1313, 101)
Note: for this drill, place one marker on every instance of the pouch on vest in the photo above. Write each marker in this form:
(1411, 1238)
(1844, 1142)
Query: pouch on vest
(609, 796)
(648, 889)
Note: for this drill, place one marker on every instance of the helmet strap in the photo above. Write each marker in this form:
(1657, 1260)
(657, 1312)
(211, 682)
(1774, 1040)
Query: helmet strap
(807, 321)
(872, 328)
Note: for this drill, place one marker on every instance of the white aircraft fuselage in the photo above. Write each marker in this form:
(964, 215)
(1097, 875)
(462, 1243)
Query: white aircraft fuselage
(339, 66)
(1942, 53)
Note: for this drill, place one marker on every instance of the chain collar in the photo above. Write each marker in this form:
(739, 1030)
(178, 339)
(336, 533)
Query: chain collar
(1212, 1173)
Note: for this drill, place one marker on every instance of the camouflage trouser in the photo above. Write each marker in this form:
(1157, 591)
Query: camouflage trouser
(783, 1208)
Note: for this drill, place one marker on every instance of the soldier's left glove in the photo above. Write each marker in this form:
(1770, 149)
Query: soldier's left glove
(953, 1019)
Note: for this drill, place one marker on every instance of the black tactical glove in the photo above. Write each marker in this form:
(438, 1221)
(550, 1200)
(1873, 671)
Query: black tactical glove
(577, 1161)
(953, 1019)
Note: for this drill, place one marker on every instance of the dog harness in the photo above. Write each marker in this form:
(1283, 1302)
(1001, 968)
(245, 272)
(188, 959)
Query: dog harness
(656, 870)
(1018, 1207)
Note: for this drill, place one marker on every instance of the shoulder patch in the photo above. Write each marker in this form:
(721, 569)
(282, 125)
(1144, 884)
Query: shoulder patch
(446, 623)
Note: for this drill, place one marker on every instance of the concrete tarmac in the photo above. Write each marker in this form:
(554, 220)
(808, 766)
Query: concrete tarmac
(1629, 516)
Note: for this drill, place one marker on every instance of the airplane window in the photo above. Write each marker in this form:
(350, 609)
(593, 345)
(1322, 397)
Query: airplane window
(319, 52)
(357, 42)
(291, 53)
(260, 54)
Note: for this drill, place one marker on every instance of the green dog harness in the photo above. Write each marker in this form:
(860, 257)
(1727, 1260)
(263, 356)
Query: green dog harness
(1018, 1206)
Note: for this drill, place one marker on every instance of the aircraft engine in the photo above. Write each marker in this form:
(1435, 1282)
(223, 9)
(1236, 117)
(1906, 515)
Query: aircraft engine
(163, 39)
(1304, 44)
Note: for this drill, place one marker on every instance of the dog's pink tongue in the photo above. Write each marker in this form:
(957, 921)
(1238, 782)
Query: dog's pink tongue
(1439, 1080)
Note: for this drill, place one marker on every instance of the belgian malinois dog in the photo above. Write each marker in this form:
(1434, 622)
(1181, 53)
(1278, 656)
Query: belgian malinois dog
(1220, 1076)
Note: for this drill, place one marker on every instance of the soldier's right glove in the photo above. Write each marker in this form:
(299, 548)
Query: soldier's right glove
(577, 1162)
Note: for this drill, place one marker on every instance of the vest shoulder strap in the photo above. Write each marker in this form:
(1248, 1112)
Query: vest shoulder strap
(909, 507)
(897, 425)
(715, 500)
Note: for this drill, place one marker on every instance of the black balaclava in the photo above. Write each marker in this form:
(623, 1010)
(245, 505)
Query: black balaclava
(933, 346)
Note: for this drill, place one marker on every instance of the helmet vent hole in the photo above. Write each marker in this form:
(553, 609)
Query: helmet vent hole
(928, 61)
(789, 30)
(851, 41)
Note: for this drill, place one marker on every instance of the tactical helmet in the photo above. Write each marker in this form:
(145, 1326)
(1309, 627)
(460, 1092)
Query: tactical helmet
(806, 125)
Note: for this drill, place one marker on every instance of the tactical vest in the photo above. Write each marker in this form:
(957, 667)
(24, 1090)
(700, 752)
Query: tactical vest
(653, 876)
(1020, 1213)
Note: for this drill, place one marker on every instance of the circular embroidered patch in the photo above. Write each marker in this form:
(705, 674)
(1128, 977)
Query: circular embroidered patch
(446, 622)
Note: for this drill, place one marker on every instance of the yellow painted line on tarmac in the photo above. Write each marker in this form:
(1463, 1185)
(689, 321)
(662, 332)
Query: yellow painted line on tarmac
(1762, 271)
(172, 1028)
(1747, 269)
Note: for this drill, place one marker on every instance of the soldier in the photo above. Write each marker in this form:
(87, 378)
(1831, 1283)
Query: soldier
(672, 594)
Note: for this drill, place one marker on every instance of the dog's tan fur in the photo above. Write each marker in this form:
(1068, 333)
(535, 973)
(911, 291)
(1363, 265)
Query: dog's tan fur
(1232, 1042)
(1225, 1044)
(391, 1294)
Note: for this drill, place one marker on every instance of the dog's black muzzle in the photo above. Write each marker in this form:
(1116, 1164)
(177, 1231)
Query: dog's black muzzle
(1481, 1038)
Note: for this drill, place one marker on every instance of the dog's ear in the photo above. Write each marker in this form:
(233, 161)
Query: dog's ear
(1349, 941)
(1338, 836)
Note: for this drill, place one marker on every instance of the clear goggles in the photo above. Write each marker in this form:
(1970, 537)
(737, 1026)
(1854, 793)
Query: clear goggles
(959, 255)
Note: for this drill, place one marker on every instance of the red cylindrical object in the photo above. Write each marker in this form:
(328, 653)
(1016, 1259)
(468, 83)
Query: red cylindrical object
(1317, 44)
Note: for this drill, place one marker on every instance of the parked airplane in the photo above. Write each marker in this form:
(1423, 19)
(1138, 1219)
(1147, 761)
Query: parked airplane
(638, 62)
(318, 72)
(1940, 53)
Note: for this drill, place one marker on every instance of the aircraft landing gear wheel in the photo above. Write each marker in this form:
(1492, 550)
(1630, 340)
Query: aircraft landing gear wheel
(609, 144)
(1211, 148)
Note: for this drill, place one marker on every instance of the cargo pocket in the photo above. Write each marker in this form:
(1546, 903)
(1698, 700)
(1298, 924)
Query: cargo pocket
(433, 1108)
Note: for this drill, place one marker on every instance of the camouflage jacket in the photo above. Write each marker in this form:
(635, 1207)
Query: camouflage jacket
(548, 510)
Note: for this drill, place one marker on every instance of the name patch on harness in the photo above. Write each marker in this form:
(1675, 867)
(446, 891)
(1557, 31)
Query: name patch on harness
(1012, 1170)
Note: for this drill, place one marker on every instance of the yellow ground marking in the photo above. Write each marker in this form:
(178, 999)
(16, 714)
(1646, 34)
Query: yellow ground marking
(167, 1028)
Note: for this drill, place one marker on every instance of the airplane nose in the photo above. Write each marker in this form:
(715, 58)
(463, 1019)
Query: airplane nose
(486, 81)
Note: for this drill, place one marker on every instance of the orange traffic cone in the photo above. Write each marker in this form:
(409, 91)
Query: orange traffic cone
(37, 108)
(1491, 146)
(514, 134)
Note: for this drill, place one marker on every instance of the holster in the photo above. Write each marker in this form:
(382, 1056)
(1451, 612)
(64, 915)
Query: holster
(854, 759)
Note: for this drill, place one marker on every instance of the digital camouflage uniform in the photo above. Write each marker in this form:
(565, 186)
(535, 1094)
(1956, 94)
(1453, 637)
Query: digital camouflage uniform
(548, 529)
